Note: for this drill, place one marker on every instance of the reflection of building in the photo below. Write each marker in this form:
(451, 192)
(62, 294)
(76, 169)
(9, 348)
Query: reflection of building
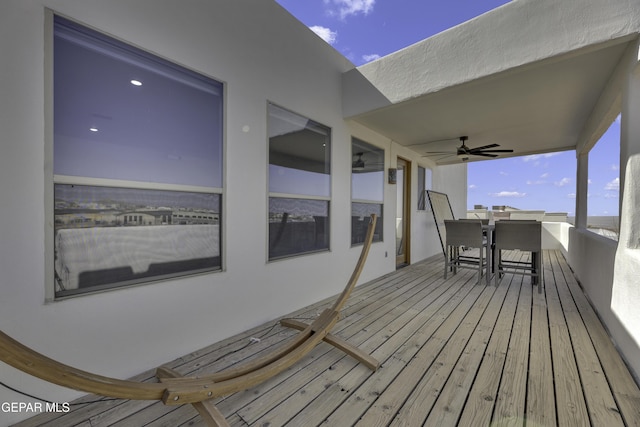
(195, 218)
(74, 218)
(77, 218)
(161, 217)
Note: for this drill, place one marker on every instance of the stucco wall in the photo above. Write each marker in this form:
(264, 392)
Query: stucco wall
(597, 280)
(501, 40)
(262, 56)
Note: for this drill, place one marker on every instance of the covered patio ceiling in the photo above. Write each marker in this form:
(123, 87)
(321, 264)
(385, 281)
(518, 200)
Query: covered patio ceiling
(538, 107)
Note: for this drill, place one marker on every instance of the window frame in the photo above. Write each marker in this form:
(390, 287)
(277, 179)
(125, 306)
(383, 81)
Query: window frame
(379, 234)
(297, 195)
(423, 187)
(52, 179)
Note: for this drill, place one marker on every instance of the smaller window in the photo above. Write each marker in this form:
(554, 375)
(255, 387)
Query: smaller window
(367, 189)
(424, 184)
(299, 184)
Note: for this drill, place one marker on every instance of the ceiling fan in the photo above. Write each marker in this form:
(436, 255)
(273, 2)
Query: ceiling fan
(463, 152)
(359, 165)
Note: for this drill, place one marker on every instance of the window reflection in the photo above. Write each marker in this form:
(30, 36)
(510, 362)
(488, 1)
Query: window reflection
(297, 226)
(299, 184)
(367, 189)
(299, 154)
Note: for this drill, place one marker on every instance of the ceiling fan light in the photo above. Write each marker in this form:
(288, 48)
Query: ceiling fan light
(357, 165)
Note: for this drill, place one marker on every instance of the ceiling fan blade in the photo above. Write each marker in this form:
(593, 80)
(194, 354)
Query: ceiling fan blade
(484, 155)
(484, 147)
(491, 151)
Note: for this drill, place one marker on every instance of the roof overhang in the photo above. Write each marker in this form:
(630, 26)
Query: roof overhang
(526, 76)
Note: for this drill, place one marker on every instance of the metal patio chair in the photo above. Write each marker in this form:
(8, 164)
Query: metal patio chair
(522, 235)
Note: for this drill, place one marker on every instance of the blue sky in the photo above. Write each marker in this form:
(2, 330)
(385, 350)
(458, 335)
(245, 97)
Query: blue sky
(364, 30)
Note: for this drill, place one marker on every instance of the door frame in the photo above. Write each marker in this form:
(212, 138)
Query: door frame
(405, 259)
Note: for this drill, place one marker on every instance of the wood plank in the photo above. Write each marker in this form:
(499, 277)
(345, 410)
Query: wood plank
(392, 320)
(511, 398)
(483, 394)
(434, 393)
(411, 320)
(571, 405)
(382, 312)
(541, 404)
(453, 394)
(400, 348)
(600, 402)
(625, 390)
(409, 373)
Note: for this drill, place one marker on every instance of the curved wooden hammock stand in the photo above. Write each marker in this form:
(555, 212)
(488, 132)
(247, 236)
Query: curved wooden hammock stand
(173, 389)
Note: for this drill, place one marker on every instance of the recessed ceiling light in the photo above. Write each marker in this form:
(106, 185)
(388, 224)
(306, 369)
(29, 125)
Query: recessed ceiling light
(93, 129)
(136, 82)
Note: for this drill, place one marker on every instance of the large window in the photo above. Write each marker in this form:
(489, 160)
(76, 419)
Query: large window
(367, 189)
(424, 184)
(299, 184)
(137, 163)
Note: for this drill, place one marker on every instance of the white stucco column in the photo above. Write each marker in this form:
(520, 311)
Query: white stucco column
(582, 187)
(625, 293)
(630, 120)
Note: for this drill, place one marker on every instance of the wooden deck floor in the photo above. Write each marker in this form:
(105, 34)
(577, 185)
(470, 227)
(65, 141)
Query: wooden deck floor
(453, 353)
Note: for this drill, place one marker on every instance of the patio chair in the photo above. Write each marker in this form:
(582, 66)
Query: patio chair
(464, 234)
(523, 235)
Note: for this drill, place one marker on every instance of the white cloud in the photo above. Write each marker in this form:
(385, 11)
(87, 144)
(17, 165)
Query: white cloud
(615, 167)
(541, 181)
(325, 33)
(503, 173)
(613, 185)
(472, 186)
(372, 57)
(571, 195)
(508, 194)
(534, 157)
(564, 181)
(350, 7)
